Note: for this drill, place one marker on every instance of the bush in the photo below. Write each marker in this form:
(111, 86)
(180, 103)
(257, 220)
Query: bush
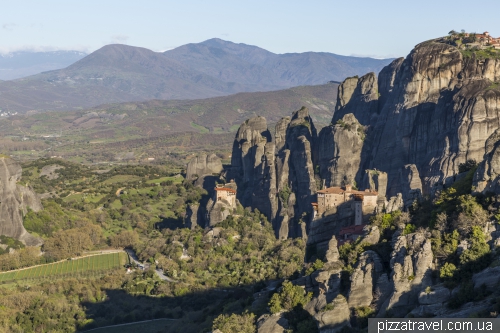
(447, 271)
(362, 315)
(288, 298)
(244, 323)
(409, 228)
(478, 248)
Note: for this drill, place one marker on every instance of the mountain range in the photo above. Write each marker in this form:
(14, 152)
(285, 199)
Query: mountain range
(20, 64)
(120, 73)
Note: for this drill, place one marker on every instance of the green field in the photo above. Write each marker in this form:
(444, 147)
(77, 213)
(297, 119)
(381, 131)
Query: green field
(82, 265)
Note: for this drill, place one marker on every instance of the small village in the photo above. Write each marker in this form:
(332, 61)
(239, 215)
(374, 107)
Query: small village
(468, 40)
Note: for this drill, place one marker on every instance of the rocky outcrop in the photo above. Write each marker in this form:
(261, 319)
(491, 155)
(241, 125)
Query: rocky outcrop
(217, 212)
(339, 150)
(15, 201)
(191, 219)
(276, 176)
(434, 110)
(376, 180)
(332, 254)
(489, 277)
(410, 128)
(301, 138)
(202, 165)
(272, 324)
(395, 203)
(252, 166)
(364, 279)
(411, 185)
(360, 94)
(487, 175)
(435, 295)
(411, 263)
(372, 235)
(334, 320)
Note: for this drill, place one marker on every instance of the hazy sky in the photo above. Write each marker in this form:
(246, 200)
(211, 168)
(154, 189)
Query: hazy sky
(384, 28)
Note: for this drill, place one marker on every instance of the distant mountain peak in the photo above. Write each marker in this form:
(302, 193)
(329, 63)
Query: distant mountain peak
(215, 67)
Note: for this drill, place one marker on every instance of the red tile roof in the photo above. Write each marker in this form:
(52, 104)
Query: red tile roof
(225, 189)
(352, 229)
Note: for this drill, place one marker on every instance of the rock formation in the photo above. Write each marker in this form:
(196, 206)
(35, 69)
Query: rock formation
(487, 174)
(411, 127)
(412, 264)
(432, 110)
(14, 202)
(332, 254)
(340, 147)
(411, 185)
(276, 176)
(364, 278)
(272, 324)
(337, 318)
(202, 165)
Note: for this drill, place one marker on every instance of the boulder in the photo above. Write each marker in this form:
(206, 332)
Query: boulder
(272, 324)
(489, 277)
(334, 320)
(332, 254)
(372, 235)
(412, 264)
(435, 295)
(365, 275)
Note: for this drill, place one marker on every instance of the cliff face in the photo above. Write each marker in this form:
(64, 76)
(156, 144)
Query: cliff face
(434, 110)
(276, 175)
(203, 165)
(403, 134)
(340, 147)
(14, 201)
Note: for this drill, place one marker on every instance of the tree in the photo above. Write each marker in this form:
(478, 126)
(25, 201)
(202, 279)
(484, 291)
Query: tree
(67, 243)
(244, 323)
(478, 248)
(468, 165)
(126, 238)
(288, 298)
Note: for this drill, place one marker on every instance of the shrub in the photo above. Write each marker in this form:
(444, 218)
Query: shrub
(409, 228)
(447, 271)
(288, 298)
(478, 247)
(362, 315)
(244, 323)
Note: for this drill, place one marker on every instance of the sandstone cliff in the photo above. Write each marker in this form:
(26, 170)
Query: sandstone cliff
(340, 148)
(424, 115)
(15, 201)
(202, 165)
(277, 175)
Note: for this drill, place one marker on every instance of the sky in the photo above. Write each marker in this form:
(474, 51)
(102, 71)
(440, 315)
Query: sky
(380, 29)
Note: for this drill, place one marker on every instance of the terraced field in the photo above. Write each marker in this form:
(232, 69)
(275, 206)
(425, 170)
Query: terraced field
(83, 265)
